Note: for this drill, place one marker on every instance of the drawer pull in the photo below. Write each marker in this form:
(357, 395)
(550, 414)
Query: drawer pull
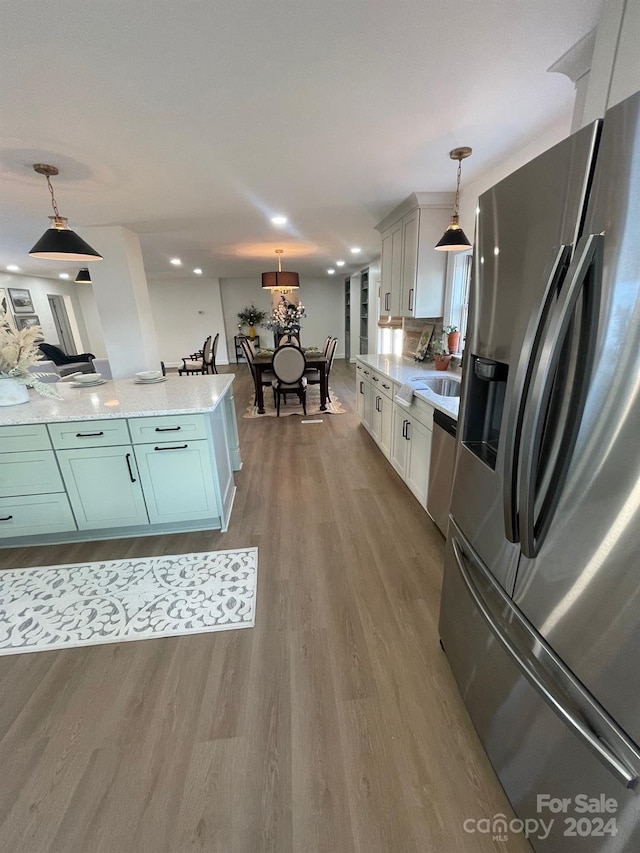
(366, 373)
(131, 477)
(385, 386)
(8, 518)
(89, 434)
(168, 429)
(375, 378)
(178, 447)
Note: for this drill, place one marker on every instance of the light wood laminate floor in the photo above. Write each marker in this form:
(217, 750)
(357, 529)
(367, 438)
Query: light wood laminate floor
(333, 726)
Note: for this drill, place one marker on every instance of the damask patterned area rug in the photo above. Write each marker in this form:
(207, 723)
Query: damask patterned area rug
(85, 604)
(294, 407)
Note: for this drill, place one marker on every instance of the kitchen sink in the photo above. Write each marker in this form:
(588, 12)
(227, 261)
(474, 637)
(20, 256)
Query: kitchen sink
(443, 387)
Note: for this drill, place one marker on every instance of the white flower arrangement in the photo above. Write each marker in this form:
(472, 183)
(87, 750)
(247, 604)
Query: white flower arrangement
(19, 352)
(286, 316)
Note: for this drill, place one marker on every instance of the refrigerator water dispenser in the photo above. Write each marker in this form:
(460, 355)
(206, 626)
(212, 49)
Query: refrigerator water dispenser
(485, 403)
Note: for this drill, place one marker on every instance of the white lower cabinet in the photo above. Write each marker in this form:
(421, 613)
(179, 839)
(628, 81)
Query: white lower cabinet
(103, 487)
(374, 394)
(411, 448)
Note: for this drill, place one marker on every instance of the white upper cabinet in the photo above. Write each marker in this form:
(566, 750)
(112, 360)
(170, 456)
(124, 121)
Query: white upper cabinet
(413, 273)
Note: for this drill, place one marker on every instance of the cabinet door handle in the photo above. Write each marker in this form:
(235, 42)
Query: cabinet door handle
(168, 429)
(6, 518)
(404, 428)
(177, 447)
(89, 434)
(131, 477)
(361, 387)
(387, 298)
(410, 306)
(407, 436)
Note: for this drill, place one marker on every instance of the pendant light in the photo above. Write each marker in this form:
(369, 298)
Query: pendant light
(280, 280)
(83, 276)
(59, 242)
(454, 239)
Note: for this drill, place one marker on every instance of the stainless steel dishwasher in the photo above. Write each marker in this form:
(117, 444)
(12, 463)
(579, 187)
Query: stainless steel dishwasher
(443, 456)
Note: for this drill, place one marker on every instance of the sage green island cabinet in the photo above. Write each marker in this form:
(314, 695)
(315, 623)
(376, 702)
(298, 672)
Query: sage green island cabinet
(121, 459)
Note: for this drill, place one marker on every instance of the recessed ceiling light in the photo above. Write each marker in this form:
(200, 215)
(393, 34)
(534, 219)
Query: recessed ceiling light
(355, 250)
(176, 262)
(279, 220)
(63, 275)
(339, 263)
(331, 271)
(197, 271)
(13, 268)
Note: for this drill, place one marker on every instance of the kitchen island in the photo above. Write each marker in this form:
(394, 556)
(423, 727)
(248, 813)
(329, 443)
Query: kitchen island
(118, 459)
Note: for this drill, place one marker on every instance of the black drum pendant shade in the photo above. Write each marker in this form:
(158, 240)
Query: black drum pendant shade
(59, 242)
(280, 280)
(454, 239)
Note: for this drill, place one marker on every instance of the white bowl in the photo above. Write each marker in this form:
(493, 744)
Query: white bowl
(88, 378)
(149, 374)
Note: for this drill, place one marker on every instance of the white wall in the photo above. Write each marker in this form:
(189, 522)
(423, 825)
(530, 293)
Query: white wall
(39, 288)
(323, 300)
(184, 314)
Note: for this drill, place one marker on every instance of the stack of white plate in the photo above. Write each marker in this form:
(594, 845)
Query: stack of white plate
(149, 377)
(87, 380)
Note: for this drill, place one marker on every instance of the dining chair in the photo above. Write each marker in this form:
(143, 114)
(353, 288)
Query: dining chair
(211, 364)
(197, 362)
(325, 346)
(266, 377)
(313, 374)
(285, 339)
(289, 365)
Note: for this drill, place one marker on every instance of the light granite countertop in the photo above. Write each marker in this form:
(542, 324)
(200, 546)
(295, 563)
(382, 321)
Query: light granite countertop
(121, 398)
(403, 370)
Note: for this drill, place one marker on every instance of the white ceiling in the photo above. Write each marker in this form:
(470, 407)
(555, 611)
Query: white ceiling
(193, 121)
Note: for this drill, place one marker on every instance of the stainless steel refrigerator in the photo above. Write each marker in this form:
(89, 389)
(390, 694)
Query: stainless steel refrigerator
(540, 614)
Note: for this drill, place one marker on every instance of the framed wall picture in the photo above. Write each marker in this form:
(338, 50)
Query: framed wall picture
(4, 308)
(27, 321)
(21, 301)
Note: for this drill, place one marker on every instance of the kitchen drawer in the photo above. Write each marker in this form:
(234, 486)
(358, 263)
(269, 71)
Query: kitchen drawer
(27, 437)
(35, 514)
(74, 434)
(382, 384)
(32, 473)
(167, 428)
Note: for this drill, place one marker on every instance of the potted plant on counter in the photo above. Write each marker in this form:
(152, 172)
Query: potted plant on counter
(453, 338)
(441, 357)
(18, 352)
(251, 317)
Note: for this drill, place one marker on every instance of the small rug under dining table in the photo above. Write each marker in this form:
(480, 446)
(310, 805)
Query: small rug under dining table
(114, 601)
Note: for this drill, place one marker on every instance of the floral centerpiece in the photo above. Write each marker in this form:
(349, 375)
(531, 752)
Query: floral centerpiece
(251, 317)
(19, 352)
(286, 316)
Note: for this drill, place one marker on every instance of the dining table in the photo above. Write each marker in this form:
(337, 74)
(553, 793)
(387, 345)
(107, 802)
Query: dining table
(263, 361)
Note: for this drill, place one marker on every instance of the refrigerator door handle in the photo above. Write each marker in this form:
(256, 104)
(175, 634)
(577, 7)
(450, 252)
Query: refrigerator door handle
(527, 656)
(587, 256)
(522, 386)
